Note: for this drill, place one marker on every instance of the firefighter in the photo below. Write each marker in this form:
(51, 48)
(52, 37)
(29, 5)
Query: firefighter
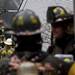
(27, 30)
(62, 30)
(52, 65)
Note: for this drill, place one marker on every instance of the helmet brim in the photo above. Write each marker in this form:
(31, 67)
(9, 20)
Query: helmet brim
(25, 33)
(64, 22)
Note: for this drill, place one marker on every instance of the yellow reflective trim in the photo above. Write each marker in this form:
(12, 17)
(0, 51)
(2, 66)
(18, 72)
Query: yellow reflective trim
(3, 52)
(72, 70)
(10, 52)
(33, 20)
(20, 21)
(60, 11)
(67, 59)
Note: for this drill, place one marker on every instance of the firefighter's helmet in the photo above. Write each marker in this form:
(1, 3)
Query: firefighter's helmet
(57, 15)
(26, 21)
(27, 29)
